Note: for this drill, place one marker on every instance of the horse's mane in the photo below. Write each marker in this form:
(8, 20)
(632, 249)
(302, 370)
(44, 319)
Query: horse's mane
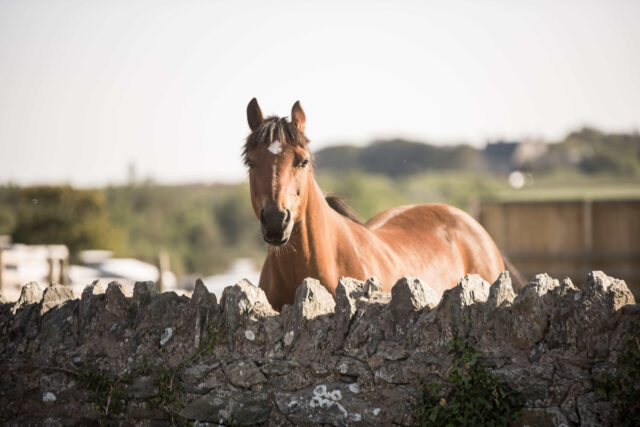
(271, 129)
(339, 205)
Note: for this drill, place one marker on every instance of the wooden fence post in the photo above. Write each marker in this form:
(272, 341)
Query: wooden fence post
(51, 263)
(1, 268)
(587, 236)
(64, 269)
(163, 265)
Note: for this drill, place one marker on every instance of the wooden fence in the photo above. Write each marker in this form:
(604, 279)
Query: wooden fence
(568, 238)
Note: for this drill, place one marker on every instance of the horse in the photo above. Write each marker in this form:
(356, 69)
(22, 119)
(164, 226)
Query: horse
(310, 235)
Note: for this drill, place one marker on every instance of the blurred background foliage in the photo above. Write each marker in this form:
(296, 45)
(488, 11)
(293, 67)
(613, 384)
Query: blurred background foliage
(205, 227)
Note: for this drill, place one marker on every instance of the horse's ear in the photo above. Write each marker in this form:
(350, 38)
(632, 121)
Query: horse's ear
(297, 116)
(254, 114)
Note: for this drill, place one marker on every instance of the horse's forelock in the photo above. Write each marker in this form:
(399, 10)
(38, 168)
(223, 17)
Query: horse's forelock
(274, 128)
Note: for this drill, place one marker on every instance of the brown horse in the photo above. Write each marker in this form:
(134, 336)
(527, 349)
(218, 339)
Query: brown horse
(309, 235)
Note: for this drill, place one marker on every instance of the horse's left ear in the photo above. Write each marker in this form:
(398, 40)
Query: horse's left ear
(297, 116)
(254, 114)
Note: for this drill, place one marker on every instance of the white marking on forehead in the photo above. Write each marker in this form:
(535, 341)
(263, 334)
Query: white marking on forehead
(275, 147)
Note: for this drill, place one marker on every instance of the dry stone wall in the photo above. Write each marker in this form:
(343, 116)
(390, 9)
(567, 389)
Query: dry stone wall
(162, 359)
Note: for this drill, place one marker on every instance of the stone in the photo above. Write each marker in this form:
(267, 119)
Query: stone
(91, 298)
(31, 293)
(55, 295)
(418, 366)
(497, 313)
(117, 303)
(532, 381)
(593, 411)
(142, 387)
(583, 318)
(543, 417)
(501, 292)
(288, 338)
(312, 300)
(199, 313)
(244, 374)
(166, 336)
(390, 373)
(201, 296)
(143, 411)
(143, 293)
(278, 367)
(347, 291)
(599, 304)
(531, 313)
(197, 372)
(163, 311)
(243, 300)
(613, 292)
(463, 303)
(568, 405)
(48, 397)
(391, 350)
(58, 327)
(335, 404)
(409, 296)
(229, 407)
(374, 322)
(319, 369)
(25, 320)
(372, 286)
(92, 290)
(352, 367)
(563, 320)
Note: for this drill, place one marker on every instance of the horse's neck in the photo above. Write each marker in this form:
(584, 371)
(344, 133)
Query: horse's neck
(318, 224)
(312, 251)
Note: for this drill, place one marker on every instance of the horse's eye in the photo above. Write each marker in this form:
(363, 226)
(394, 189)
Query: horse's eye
(251, 164)
(304, 163)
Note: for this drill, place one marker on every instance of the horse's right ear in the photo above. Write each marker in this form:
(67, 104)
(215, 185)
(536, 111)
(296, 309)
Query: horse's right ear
(254, 114)
(297, 116)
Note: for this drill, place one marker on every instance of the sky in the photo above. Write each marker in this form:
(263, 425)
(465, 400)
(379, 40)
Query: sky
(88, 88)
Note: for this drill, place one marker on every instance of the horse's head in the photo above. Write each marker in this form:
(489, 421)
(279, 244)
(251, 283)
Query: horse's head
(279, 171)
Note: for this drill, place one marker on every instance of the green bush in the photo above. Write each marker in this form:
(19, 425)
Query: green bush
(470, 396)
(62, 215)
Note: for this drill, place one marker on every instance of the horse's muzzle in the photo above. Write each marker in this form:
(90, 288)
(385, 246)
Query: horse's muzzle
(276, 226)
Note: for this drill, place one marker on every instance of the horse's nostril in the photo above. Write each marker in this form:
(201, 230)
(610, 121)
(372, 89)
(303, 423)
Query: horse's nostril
(287, 216)
(262, 220)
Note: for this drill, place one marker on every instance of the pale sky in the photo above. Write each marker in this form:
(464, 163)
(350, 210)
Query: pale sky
(88, 87)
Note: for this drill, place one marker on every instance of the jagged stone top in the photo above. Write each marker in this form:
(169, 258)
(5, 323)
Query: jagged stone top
(472, 307)
(408, 295)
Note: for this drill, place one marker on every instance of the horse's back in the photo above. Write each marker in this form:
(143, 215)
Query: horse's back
(448, 241)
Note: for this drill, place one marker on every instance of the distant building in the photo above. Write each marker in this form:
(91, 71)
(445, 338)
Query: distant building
(527, 152)
(20, 264)
(99, 265)
(507, 156)
(242, 268)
